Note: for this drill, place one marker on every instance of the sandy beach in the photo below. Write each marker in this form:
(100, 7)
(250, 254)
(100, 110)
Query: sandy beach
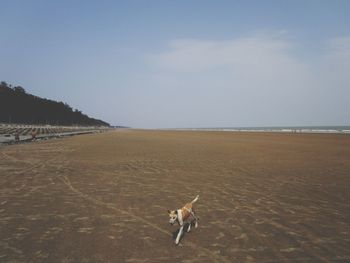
(264, 197)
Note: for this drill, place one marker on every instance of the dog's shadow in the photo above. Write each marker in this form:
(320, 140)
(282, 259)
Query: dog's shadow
(184, 232)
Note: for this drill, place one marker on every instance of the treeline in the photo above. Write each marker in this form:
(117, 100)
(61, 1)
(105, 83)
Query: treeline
(17, 106)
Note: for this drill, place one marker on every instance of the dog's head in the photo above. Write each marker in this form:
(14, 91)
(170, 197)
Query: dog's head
(172, 216)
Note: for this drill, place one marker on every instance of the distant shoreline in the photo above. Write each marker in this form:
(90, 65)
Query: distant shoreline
(301, 129)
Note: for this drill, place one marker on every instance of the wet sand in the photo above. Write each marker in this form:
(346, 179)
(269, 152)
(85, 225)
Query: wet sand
(264, 197)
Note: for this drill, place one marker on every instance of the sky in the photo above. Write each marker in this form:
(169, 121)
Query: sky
(180, 64)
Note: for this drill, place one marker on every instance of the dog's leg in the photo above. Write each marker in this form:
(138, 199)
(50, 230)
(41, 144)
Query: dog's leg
(196, 222)
(195, 218)
(189, 227)
(179, 235)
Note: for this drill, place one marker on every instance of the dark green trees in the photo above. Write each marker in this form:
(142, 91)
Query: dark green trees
(17, 106)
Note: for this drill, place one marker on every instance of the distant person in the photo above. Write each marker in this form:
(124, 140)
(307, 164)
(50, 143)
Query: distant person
(33, 135)
(17, 136)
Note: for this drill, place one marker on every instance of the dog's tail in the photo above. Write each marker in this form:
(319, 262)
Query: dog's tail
(195, 200)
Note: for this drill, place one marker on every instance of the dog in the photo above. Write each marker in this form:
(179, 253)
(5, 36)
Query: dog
(184, 215)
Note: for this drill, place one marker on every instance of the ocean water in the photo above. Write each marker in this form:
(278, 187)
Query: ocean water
(293, 129)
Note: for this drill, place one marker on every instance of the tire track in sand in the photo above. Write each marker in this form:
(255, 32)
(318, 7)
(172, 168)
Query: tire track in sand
(212, 255)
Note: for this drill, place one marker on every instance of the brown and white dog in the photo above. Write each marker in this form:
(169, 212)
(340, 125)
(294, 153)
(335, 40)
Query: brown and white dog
(184, 215)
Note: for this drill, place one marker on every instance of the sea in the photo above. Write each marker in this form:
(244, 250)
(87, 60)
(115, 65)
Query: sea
(283, 129)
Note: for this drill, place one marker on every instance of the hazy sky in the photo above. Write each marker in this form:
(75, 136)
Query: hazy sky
(158, 64)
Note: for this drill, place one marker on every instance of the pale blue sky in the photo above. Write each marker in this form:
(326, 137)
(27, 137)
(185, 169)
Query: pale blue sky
(158, 64)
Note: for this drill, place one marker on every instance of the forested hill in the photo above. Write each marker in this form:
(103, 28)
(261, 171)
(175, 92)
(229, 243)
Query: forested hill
(17, 106)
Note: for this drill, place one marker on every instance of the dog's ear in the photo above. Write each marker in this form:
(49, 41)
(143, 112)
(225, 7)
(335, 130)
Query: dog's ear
(169, 212)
